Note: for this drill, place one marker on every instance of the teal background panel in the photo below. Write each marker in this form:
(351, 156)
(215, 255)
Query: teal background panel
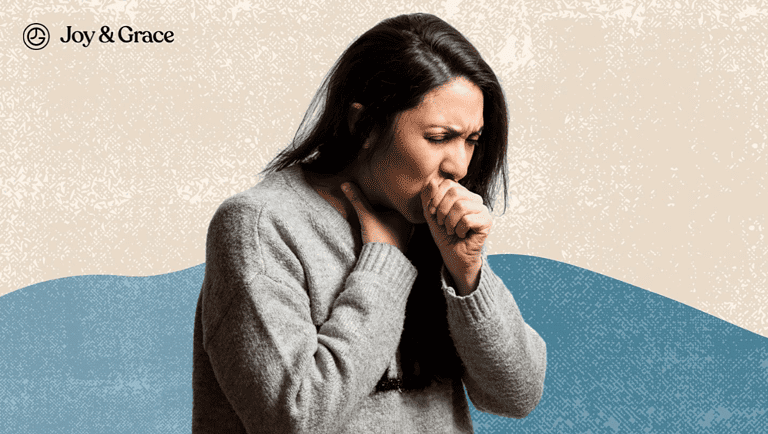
(113, 354)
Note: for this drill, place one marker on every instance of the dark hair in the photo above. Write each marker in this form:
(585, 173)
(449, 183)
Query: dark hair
(388, 70)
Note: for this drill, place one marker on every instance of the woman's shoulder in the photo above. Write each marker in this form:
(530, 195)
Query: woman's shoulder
(255, 226)
(277, 194)
(271, 229)
(275, 188)
(280, 208)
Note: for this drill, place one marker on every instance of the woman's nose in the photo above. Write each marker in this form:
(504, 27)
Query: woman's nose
(456, 160)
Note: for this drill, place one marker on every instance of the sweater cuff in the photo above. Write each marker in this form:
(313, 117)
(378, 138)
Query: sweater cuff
(389, 263)
(477, 306)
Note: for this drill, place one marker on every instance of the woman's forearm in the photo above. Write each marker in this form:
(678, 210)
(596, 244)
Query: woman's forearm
(282, 374)
(505, 359)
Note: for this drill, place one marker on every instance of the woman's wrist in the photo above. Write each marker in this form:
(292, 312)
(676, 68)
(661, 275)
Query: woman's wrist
(466, 279)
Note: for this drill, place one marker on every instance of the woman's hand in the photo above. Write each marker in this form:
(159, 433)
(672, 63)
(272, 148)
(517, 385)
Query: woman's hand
(378, 227)
(459, 223)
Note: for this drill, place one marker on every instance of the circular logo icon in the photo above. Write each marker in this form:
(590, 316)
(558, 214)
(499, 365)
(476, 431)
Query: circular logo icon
(36, 36)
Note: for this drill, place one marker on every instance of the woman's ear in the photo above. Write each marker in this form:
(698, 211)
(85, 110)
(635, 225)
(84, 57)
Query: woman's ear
(355, 110)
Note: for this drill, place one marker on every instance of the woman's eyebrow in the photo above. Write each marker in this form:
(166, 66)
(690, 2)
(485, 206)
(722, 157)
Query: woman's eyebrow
(454, 132)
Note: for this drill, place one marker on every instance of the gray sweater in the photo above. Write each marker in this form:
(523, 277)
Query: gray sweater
(296, 323)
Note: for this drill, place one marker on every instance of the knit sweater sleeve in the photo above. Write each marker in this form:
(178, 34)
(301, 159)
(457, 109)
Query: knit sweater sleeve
(505, 360)
(279, 371)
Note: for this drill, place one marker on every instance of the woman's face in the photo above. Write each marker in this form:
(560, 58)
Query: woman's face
(432, 141)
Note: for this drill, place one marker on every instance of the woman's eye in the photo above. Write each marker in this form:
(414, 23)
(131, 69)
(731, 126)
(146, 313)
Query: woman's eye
(437, 139)
(473, 142)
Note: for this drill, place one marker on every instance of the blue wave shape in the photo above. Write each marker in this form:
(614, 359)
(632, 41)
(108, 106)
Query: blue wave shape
(95, 354)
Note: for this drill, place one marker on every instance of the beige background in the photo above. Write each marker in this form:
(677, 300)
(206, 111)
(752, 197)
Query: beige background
(638, 137)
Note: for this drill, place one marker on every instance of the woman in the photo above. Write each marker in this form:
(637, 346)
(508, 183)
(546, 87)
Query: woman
(348, 291)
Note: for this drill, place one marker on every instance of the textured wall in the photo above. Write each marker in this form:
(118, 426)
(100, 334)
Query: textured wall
(638, 133)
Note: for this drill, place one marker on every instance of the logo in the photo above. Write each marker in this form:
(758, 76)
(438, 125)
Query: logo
(36, 36)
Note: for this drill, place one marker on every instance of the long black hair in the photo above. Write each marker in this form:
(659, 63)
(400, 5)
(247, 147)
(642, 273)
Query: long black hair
(388, 70)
